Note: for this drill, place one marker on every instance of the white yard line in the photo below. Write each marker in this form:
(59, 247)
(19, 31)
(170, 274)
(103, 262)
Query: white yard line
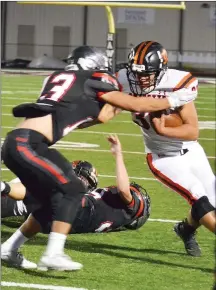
(205, 109)
(198, 108)
(18, 99)
(127, 121)
(28, 99)
(13, 105)
(38, 286)
(204, 102)
(37, 92)
(107, 133)
(105, 151)
(163, 221)
(131, 177)
(108, 151)
(27, 91)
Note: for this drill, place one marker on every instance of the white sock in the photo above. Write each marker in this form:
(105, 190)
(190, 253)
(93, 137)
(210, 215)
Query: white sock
(14, 242)
(56, 242)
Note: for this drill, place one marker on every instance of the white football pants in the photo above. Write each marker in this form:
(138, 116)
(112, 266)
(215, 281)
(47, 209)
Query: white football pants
(189, 175)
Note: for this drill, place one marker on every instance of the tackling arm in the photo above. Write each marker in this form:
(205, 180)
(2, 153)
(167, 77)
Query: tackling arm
(129, 103)
(108, 91)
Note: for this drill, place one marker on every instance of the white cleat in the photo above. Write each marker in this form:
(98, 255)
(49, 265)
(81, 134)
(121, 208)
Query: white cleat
(59, 262)
(16, 259)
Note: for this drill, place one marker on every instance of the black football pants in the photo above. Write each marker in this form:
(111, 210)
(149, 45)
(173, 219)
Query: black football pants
(44, 171)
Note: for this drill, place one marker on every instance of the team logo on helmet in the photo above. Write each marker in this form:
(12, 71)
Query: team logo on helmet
(131, 54)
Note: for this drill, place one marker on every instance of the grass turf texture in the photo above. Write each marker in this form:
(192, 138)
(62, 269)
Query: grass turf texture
(151, 258)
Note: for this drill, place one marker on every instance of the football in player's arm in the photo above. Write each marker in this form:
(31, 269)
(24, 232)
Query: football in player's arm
(173, 153)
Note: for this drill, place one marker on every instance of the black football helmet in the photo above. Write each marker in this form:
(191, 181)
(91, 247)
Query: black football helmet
(87, 173)
(87, 58)
(147, 63)
(142, 217)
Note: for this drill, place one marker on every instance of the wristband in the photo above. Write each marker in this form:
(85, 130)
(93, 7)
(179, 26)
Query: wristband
(5, 188)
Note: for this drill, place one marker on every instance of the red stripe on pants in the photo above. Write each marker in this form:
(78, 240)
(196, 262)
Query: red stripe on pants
(42, 163)
(164, 179)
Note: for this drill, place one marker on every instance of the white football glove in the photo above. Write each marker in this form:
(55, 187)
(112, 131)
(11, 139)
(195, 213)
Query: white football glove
(181, 97)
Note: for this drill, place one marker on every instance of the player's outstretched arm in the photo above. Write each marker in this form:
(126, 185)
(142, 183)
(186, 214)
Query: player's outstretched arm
(145, 104)
(122, 179)
(135, 104)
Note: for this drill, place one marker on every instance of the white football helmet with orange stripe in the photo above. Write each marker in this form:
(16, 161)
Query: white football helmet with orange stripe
(147, 63)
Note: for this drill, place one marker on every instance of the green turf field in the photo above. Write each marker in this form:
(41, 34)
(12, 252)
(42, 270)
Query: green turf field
(151, 258)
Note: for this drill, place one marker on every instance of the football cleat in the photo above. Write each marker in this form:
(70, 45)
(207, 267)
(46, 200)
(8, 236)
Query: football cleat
(187, 234)
(16, 259)
(60, 262)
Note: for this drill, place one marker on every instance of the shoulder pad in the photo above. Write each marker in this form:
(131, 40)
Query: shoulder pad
(107, 78)
(178, 80)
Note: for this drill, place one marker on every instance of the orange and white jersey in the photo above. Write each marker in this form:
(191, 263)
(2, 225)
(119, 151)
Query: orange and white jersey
(173, 80)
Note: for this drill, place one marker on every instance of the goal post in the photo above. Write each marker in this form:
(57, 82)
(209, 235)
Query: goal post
(110, 41)
(181, 5)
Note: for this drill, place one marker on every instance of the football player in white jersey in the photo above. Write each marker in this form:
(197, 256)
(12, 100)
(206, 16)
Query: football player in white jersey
(173, 153)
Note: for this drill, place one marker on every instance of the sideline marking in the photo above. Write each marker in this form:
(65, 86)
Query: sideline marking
(39, 286)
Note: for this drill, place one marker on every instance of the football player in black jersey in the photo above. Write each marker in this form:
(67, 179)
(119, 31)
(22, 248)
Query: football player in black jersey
(81, 95)
(101, 209)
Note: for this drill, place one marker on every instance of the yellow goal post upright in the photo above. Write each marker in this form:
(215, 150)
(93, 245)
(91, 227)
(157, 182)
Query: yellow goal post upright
(110, 42)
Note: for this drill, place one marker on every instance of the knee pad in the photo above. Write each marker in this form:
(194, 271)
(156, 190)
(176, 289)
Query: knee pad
(200, 208)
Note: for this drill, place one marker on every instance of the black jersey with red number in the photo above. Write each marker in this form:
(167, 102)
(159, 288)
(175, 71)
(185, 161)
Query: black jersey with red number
(99, 211)
(103, 210)
(73, 98)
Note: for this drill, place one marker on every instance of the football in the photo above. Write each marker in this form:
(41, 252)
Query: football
(172, 117)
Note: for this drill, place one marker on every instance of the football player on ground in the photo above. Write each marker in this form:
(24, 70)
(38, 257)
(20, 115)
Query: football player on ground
(102, 209)
(81, 95)
(173, 153)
